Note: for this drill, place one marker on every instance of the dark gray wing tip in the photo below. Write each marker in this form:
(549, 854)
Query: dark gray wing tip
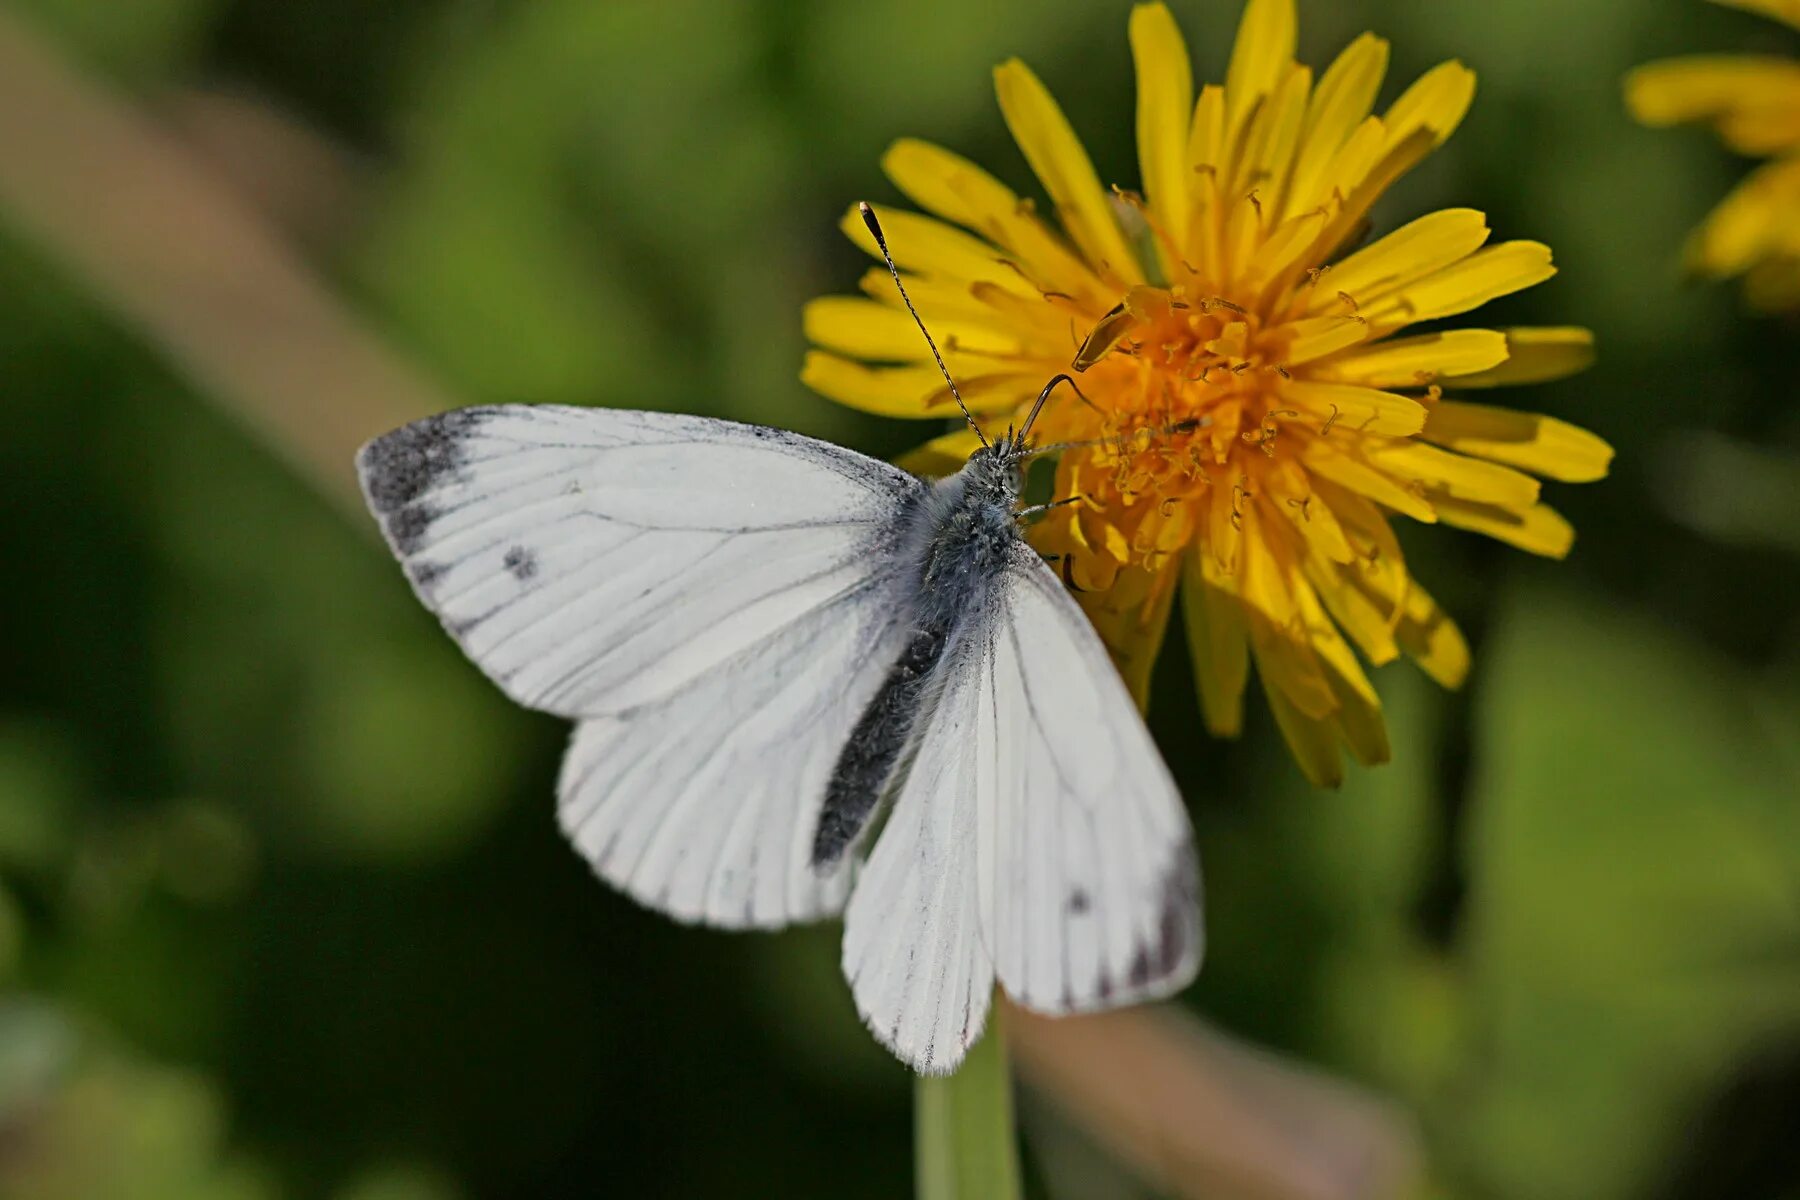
(398, 468)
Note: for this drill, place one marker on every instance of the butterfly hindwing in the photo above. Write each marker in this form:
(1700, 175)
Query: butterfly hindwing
(1039, 841)
(1088, 872)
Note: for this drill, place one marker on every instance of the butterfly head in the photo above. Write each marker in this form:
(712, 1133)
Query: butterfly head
(996, 470)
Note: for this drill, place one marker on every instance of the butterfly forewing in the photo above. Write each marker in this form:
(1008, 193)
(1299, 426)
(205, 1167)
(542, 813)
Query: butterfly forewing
(590, 560)
(717, 600)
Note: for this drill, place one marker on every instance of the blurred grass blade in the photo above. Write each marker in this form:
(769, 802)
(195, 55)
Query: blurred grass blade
(1194, 1112)
(965, 1147)
(176, 254)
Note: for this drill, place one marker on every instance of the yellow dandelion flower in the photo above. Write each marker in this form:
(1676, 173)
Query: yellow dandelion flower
(1753, 102)
(1253, 408)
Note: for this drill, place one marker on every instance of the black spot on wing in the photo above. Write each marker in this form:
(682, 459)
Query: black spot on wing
(1178, 922)
(1078, 902)
(521, 562)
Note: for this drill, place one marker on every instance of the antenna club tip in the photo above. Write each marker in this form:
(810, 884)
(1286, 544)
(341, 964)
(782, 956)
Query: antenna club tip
(868, 216)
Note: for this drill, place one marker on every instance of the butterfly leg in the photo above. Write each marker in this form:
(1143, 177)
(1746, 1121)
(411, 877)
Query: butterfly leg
(1038, 508)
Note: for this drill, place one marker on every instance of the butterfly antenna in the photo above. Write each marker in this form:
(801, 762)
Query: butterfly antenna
(1044, 395)
(868, 216)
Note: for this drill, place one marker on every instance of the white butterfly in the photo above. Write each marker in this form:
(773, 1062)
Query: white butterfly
(772, 646)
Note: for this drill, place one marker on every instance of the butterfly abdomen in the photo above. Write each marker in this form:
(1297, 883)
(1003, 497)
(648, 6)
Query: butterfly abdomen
(874, 747)
(954, 546)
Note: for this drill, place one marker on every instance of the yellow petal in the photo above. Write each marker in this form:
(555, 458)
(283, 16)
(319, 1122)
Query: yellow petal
(957, 190)
(1062, 166)
(1260, 57)
(1353, 408)
(1773, 286)
(1274, 132)
(1482, 276)
(1355, 609)
(1537, 530)
(1292, 496)
(913, 391)
(1355, 473)
(1751, 99)
(1774, 129)
(1219, 647)
(947, 184)
(1345, 94)
(1431, 639)
(1312, 742)
(1208, 155)
(869, 329)
(1131, 617)
(1165, 103)
(1263, 582)
(1224, 536)
(936, 299)
(1418, 122)
(1317, 337)
(1362, 596)
(1206, 132)
(940, 456)
(1290, 669)
(1780, 10)
(1531, 441)
(1279, 257)
(1359, 720)
(1437, 102)
(1205, 156)
(1753, 221)
(1366, 167)
(933, 248)
(1447, 475)
(1535, 354)
(1243, 230)
(1416, 361)
(1410, 253)
(1351, 166)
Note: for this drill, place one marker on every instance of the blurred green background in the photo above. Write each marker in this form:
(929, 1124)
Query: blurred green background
(283, 911)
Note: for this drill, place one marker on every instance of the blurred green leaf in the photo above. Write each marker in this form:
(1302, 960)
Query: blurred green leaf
(571, 207)
(372, 736)
(38, 781)
(1733, 490)
(37, 1046)
(400, 1182)
(401, 760)
(142, 40)
(1634, 916)
(98, 1125)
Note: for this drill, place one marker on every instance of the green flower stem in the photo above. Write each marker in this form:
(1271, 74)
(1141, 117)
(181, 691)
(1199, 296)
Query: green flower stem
(965, 1147)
